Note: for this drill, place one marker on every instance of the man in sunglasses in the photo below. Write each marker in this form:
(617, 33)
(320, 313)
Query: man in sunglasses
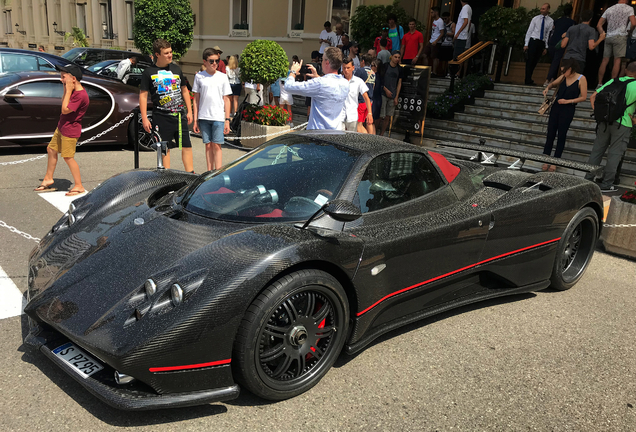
(171, 108)
(383, 35)
(212, 94)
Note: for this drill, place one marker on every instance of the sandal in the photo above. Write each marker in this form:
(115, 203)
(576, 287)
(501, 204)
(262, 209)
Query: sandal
(75, 192)
(44, 188)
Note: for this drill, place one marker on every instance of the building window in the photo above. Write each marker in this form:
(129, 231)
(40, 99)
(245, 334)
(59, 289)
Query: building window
(298, 15)
(130, 17)
(7, 21)
(106, 15)
(340, 13)
(240, 14)
(81, 17)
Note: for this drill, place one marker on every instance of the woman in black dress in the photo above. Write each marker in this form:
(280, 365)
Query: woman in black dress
(572, 89)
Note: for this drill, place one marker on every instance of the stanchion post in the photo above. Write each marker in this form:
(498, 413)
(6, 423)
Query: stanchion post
(137, 118)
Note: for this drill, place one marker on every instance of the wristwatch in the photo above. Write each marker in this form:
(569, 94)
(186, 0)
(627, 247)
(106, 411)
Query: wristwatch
(228, 119)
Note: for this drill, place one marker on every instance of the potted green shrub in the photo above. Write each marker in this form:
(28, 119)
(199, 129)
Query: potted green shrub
(262, 62)
(619, 233)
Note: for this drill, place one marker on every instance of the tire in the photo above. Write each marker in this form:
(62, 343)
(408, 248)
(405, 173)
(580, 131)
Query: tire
(145, 138)
(277, 343)
(575, 249)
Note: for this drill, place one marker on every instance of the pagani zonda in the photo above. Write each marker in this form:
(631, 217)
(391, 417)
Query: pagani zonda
(163, 289)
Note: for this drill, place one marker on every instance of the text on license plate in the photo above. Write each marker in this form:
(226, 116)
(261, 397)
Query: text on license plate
(81, 362)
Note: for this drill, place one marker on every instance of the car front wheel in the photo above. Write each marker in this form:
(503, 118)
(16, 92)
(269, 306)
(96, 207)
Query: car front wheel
(145, 139)
(291, 335)
(575, 249)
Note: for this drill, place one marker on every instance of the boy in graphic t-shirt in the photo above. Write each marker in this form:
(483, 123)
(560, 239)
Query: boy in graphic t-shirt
(69, 128)
(170, 97)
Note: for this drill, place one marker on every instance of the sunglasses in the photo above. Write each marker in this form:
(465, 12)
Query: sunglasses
(211, 61)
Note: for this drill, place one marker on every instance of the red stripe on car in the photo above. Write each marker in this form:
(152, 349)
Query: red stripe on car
(194, 366)
(452, 273)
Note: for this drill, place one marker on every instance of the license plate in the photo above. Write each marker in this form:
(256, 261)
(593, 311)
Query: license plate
(81, 362)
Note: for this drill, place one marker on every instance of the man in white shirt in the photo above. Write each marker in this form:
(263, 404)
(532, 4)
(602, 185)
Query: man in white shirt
(537, 40)
(124, 68)
(212, 94)
(357, 87)
(431, 51)
(327, 38)
(327, 92)
(618, 18)
(462, 28)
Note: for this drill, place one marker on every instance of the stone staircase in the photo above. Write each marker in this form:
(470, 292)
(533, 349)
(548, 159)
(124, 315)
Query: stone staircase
(507, 117)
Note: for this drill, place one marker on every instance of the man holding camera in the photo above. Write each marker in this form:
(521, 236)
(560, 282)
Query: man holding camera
(327, 92)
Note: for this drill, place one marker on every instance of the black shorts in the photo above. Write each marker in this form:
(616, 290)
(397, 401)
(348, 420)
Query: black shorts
(167, 128)
(446, 53)
(307, 101)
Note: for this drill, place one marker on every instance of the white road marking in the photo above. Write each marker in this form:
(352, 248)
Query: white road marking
(59, 200)
(12, 301)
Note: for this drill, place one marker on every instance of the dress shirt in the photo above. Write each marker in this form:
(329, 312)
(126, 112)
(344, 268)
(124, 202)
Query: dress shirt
(328, 94)
(534, 31)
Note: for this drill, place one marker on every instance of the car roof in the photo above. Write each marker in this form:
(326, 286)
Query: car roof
(372, 145)
(35, 53)
(96, 79)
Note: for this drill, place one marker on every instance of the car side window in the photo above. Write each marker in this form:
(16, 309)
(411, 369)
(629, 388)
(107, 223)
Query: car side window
(43, 89)
(395, 178)
(43, 65)
(114, 55)
(95, 93)
(18, 63)
(90, 57)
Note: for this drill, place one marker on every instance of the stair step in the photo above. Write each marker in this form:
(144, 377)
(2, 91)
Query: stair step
(581, 112)
(527, 98)
(533, 117)
(522, 125)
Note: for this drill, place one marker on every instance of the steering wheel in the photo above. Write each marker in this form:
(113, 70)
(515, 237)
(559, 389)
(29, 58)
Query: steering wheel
(301, 206)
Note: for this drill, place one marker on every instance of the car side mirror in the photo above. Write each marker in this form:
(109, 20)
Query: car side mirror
(13, 94)
(342, 211)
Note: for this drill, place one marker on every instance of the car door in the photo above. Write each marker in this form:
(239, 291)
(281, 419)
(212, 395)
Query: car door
(98, 109)
(418, 237)
(35, 114)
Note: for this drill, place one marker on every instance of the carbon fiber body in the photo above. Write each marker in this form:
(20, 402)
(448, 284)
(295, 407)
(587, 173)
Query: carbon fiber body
(484, 234)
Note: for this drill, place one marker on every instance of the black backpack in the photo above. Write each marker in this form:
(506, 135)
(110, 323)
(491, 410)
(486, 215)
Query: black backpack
(610, 103)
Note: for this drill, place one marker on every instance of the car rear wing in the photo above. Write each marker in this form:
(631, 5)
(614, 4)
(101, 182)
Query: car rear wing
(488, 155)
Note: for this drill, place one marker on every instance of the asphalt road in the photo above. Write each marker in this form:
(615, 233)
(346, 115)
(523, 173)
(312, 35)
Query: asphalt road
(550, 361)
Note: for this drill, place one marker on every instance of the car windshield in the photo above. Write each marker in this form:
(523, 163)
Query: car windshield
(287, 179)
(72, 54)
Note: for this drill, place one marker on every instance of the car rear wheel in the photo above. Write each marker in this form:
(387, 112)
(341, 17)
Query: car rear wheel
(291, 335)
(575, 249)
(145, 138)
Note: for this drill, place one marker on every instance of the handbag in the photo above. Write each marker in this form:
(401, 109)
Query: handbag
(547, 104)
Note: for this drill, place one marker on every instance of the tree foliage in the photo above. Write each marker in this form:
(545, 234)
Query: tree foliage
(163, 19)
(263, 62)
(507, 25)
(367, 22)
(79, 38)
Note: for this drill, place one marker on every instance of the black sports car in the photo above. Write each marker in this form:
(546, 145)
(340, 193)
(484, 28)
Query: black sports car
(163, 289)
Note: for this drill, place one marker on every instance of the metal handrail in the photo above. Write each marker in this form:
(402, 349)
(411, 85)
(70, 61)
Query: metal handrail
(469, 53)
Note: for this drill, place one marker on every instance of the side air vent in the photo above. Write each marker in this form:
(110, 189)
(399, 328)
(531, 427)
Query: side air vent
(162, 192)
(497, 185)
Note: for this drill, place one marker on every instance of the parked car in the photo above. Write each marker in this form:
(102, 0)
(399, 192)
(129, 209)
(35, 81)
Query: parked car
(108, 68)
(162, 289)
(19, 60)
(86, 56)
(30, 109)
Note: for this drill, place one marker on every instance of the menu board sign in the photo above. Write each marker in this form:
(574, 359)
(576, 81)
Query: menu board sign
(410, 110)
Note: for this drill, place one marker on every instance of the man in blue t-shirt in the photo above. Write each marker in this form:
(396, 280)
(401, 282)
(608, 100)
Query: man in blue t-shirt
(396, 32)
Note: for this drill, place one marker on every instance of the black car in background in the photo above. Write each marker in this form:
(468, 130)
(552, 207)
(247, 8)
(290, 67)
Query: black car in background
(20, 60)
(108, 68)
(89, 56)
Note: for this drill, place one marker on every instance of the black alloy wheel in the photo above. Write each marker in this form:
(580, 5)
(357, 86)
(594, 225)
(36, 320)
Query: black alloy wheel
(575, 249)
(145, 139)
(291, 335)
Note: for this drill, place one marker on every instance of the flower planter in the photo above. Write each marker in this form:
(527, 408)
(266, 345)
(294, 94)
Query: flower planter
(249, 129)
(620, 240)
(445, 116)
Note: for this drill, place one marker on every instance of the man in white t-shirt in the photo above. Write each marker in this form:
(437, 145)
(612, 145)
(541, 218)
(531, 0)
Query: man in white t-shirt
(357, 87)
(618, 18)
(431, 50)
(327, 38)
(124, 68)
(462, 27)
(212, 93)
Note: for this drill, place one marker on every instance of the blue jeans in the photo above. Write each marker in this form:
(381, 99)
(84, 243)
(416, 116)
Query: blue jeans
(212, 131)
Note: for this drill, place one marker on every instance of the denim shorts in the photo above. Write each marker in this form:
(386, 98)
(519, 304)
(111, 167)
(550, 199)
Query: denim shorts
(212, 131)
